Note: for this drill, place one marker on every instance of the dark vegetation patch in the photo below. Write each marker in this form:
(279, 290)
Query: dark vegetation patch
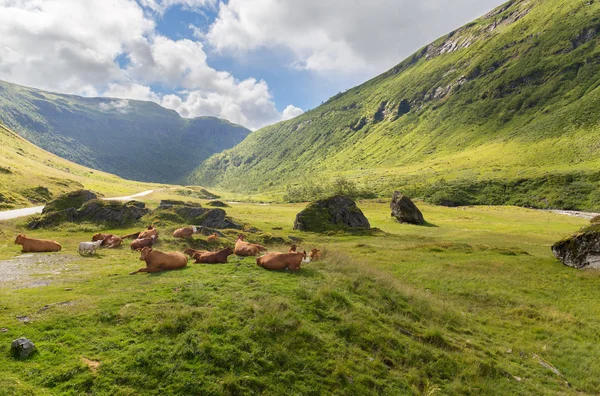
(575, 191)
(196, 192)
(37, 194)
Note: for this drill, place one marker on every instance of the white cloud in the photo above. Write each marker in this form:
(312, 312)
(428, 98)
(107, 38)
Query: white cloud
(66, 46)
(131, 91)
(291, 112)
(122, 106)
(339, 35)
(72, 46)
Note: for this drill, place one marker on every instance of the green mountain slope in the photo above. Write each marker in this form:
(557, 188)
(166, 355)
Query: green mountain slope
(30, 175)
(501, 111)
(133, 139)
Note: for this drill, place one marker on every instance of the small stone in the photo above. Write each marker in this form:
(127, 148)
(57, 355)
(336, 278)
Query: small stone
(68, 288)
(22, 347)
(3, 330)
(24, 319)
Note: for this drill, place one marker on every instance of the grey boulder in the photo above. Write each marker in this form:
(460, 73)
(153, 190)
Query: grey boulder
(405, 211)
(22, 347)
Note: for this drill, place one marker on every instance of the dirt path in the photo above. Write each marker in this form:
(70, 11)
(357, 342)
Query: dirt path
(13, 214)
(33, 270)
(575, 213)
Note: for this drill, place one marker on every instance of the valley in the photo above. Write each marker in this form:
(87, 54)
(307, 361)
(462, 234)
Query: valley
(492, 131)
(471, 304)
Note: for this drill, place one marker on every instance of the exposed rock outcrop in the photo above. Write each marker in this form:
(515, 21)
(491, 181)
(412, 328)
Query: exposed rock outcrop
(195, 214)
(95, 210)
(405, 211)
(581, 250)
(335, 213)
(73, 199)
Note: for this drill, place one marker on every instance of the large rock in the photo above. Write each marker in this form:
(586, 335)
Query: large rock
(217, 218)
(405, 211)
(114, 213)
(73, 199)
(335, 213)
(581, 250)
(192, 213)
(22, 347)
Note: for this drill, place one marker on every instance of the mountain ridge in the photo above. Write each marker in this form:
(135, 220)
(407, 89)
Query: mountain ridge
(116, 135)
(505, 102)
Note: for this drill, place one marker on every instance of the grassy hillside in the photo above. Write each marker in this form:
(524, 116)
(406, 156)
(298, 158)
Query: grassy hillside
(30, 175)
(133, 139)
(473, 305)
(502, 110)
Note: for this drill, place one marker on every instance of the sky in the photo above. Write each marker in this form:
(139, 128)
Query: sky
(252, 62)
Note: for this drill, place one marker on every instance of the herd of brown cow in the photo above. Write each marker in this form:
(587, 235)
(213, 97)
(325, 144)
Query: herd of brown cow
(157, 261)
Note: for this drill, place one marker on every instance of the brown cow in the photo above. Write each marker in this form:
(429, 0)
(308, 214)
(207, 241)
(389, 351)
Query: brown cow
(37, 245)
(280, 261)
(212, 238)
(193, 252)
(185, 232)
(219, 257)
(149, 232)
(292, 249)
(108, 240)
(243, 248)
(314, 255)
(159, 261)
(139, 244)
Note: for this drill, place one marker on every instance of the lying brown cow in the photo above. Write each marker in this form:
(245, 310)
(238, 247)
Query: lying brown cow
(108, 240)
(31, 245)
(185, 232)
(280, 261)
(243, 248)
(314, 255)
(193, 252)
(219, 257)
(158, 261)
(212, 238)
(139, 244)
(147, 233)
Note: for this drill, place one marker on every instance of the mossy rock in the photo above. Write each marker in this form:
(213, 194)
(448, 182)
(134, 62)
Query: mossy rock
(196, 192)
(581, 250)
(217, 204)
(331, 214)
(37, 194)
(73, 199)
(96, 211)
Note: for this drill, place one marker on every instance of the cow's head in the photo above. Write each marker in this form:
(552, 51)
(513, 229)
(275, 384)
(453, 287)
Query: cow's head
(145, 252)
(293, 248)
(150, 227)
(19, 239)
(314, 252)
(98, 237)
(241, 237)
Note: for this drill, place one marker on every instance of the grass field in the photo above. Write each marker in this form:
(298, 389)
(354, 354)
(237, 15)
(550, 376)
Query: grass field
(473, 304)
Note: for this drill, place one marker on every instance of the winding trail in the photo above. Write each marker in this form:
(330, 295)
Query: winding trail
(13, 214)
